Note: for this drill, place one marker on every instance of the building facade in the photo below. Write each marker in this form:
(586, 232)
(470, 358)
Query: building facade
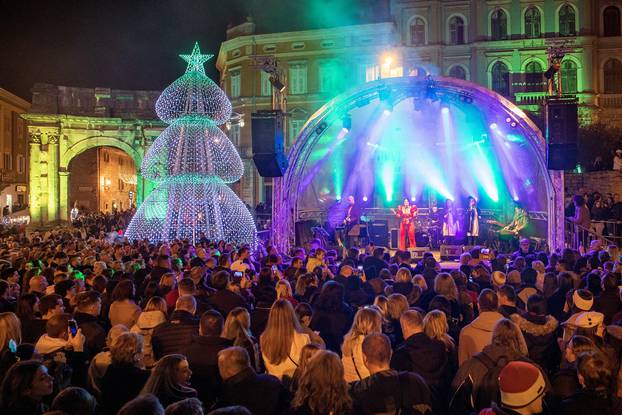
(13, 152)
(501, 44)
(63, 124)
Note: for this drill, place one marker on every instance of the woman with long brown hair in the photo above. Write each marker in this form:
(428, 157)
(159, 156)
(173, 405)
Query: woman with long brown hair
(238, 329)
(169, 380)
(322, 389)
(366, 321)
(282, 340)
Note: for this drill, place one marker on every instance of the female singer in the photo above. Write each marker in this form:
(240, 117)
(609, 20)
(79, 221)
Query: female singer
(472, 220)
(451, 223)
(407, 213)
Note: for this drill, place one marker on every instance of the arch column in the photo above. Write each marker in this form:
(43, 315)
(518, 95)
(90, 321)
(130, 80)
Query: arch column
(53, 204)
(34, 179)
(63, 194)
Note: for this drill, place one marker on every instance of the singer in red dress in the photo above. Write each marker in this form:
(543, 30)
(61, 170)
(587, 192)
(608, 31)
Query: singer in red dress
(406, 212)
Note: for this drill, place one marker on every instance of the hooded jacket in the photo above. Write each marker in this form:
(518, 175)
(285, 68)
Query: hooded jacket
(147, 321)
(540, 334)
(477, 334)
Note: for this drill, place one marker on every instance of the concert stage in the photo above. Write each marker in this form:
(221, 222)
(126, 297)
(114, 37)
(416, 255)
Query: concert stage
(428, 140)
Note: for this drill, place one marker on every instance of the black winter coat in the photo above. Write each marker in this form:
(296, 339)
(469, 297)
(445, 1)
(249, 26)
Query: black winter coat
(608, 303)
(202, 355)
(540, 334)
(121, 384)
(332, 325)
(429, 359)
(225, 300)
(93, 331)
(590, 402)
(174, 335)
(261, 394)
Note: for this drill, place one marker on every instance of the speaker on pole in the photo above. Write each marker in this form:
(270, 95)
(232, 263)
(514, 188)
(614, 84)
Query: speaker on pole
(562, 125)
(268, 143)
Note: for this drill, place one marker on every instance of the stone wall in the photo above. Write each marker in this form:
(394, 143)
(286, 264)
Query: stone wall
(602, 181)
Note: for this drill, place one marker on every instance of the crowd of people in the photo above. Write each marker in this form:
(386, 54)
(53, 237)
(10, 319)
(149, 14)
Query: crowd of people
(91, 324)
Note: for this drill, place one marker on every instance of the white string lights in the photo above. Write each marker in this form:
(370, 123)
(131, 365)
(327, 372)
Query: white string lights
(192, 160)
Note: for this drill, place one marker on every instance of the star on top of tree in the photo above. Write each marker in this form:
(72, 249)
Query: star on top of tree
(196, 60)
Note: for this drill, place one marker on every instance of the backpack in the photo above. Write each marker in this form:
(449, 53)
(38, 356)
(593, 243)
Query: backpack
(488, 390)
(467, 400)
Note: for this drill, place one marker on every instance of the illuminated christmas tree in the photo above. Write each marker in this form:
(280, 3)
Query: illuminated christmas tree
(192, 161)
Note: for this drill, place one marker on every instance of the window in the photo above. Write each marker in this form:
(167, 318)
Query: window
(613, 76)
(501, 78)
(567, 21)
(532, 22)
(266, 86)
(298, 45)
(294, 128)
(235, 80)
(499, 25)
(457, 71)
(456, 30)
(371, 72)
(533, 77)
(234, 134)
(106, 157)
(417, 32)
(21, 164)
(298, 78)
(8, 161)
(329, 72)
(328, 44)
(611, 21)
(568, 72)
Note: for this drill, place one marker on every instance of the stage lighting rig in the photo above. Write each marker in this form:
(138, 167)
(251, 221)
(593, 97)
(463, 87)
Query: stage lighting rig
(430, 89)
(346, 122)
(320, 128)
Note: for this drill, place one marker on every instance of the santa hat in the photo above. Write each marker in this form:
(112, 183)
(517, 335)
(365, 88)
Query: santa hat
(583, 300)
(498, 278)
(520, 383)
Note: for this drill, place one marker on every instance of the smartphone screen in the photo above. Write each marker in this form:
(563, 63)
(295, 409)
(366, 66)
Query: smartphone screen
(274, 268)
(73, 326)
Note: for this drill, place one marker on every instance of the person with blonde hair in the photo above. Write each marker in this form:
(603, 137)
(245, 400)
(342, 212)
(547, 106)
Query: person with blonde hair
(153, 315)
(126, 376)
(322, 389)
(169, 380)
(404, 285)
(102, 360)
(396, 305)
(435, 327)
(507, 344)
(238, 329)
(284, 290)
(308, 351)
(282, 340)
(366, 321)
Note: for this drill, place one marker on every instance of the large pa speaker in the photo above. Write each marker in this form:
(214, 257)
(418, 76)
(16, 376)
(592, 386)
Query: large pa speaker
(378, 232)
(562, 125)
(268, 143)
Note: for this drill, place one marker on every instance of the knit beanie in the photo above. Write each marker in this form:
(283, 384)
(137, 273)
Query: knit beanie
(583, 299)
(520, 383)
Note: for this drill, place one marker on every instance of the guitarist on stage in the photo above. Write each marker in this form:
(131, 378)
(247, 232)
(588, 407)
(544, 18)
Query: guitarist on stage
(352, 218)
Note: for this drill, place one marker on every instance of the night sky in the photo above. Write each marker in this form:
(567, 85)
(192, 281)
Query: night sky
(133, 44)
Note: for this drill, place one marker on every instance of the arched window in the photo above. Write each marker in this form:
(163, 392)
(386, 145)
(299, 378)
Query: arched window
(456, 30)
(613, 76)
(611, 21)
(568, 72)
(417, 32)
(532, 22)
(499, 25)
(501, 78)
(533, 77)
(567, 21)
(457, 71)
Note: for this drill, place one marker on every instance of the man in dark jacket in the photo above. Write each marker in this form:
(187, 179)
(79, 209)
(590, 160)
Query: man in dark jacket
(594, 397)
(225, 300)
(540, 332)
(608, 301)
(374, 263)
(202, 355)
(87, 312)
(261, 394)
(434, 368)
(387, 390)
(174, 335)
(507, 301)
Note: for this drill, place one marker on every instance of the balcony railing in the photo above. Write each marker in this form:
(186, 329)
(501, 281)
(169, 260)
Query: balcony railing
(610, 100)
(530, 98)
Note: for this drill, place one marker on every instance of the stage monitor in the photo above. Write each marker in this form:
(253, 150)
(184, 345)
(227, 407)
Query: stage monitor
(378, 231)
